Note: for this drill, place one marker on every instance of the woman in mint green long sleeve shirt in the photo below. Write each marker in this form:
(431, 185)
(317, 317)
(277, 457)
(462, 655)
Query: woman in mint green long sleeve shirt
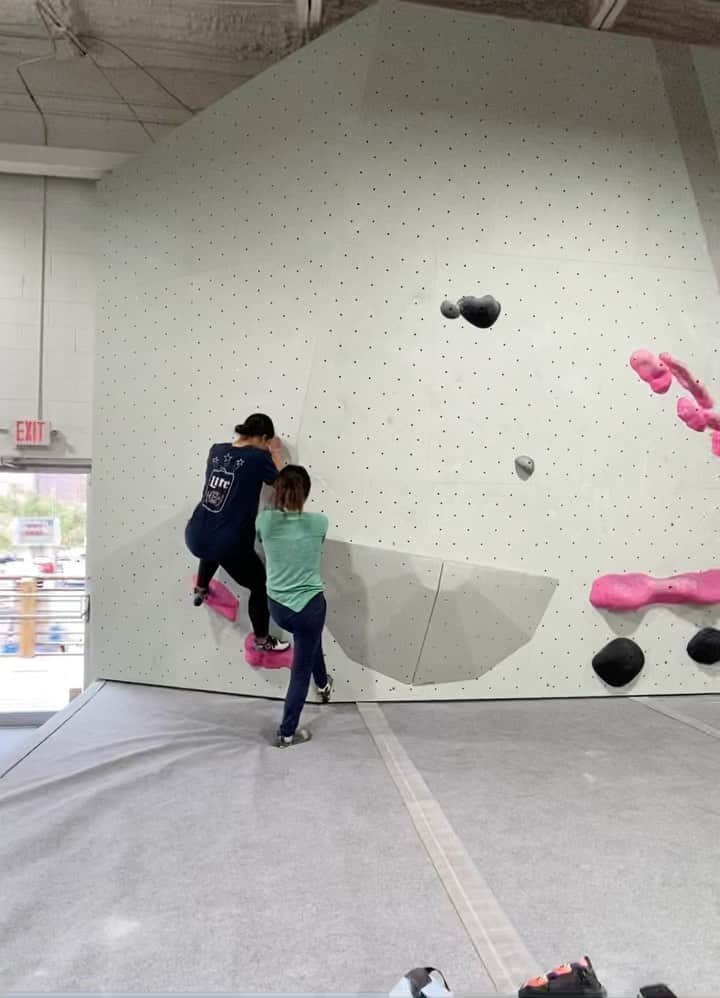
(293, 541)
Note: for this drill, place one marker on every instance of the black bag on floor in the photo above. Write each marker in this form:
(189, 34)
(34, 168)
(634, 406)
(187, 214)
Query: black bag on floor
(570, 980)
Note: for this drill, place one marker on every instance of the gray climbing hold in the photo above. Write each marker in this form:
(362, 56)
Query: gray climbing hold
(449, 309)
(524, 466)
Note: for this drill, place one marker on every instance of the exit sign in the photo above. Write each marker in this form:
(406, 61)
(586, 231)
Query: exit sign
(32, 433)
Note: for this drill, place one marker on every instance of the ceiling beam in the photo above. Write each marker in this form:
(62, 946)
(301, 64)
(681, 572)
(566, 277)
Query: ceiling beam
(604, 13)
(52, 161)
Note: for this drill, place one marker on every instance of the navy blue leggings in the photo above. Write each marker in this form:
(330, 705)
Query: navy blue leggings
(306, 627)
(242, 564)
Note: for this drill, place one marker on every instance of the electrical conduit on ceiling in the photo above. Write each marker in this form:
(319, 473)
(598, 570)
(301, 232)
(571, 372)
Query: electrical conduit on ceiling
(607, 13)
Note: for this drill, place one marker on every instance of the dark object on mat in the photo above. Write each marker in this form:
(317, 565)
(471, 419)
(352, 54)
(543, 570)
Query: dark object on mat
(449, 309)
(571, 980)
(423, 982)
(481, 312)
(619, 662)
(656, 991)
(524, 466)
(705, 646)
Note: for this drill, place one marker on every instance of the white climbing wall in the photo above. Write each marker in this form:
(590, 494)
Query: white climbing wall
(288, 251)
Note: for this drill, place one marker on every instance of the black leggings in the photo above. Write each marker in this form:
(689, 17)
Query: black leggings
(245, 567)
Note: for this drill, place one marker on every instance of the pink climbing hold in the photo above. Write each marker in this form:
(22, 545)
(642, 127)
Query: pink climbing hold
(221, 600)
(692, 414)
(697, 413)
(267, 659)
(652, 370)
(699, 419)
(635, 590)
(696, 388)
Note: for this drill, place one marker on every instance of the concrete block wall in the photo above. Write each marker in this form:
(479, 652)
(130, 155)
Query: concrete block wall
(54, 379)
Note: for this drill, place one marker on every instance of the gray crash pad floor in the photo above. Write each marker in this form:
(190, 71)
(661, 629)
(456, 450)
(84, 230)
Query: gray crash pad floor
(154, 841)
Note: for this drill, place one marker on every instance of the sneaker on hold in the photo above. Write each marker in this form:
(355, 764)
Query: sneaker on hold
(300, 736)
(326, 691)
(571, 980)
(272, 644)
(199, 596)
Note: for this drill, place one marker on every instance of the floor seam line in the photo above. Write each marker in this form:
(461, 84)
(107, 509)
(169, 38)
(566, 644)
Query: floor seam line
(466, 888)
(430, 616)
(676, 715)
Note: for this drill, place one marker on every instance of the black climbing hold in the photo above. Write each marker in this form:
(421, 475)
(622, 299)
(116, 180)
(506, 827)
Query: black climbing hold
(619, 662)
(705, 646)
(481, 312)
(449, 309)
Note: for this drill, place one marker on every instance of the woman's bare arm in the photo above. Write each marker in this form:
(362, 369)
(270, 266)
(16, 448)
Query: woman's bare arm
(275, 448)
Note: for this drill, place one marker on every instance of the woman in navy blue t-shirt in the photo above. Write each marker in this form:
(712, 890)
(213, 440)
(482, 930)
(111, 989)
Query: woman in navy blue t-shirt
(221, 531)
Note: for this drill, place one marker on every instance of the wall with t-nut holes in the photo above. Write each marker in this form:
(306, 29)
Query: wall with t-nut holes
(288, 250)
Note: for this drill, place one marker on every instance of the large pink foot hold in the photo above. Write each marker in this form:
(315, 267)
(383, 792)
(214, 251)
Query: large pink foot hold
(652, 370)
(696, 388)
(633, 591)
(266, 659)
(221, 600)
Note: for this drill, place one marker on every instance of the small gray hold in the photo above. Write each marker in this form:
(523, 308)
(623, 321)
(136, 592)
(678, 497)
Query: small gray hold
(449, 309)
(524, 466)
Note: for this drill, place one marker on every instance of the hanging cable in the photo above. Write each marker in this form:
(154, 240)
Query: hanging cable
(144, 69)
(54, 24)
(31, 95)
(122, 97)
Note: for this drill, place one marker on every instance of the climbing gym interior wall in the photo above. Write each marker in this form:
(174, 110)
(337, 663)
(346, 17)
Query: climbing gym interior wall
(288, 251)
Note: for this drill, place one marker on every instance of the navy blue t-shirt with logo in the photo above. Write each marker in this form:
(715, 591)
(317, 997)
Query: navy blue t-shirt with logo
(225, 516)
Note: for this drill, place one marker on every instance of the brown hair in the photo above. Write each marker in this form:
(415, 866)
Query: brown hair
(292, 487)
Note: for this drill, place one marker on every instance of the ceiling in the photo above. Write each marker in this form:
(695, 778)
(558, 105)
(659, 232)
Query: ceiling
(115, 75)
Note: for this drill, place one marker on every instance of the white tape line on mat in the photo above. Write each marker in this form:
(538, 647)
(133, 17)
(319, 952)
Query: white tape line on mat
(495, 939)
(676, 715)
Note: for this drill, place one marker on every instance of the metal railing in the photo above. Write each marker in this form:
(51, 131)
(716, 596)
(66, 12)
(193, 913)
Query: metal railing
(43, 615)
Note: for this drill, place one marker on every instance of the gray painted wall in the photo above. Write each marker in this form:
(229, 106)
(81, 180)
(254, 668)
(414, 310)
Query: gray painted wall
(63, 394)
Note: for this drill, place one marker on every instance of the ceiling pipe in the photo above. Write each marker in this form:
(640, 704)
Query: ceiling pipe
(606, 13)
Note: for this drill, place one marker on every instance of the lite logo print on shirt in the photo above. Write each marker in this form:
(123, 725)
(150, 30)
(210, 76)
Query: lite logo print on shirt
(220, 482)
